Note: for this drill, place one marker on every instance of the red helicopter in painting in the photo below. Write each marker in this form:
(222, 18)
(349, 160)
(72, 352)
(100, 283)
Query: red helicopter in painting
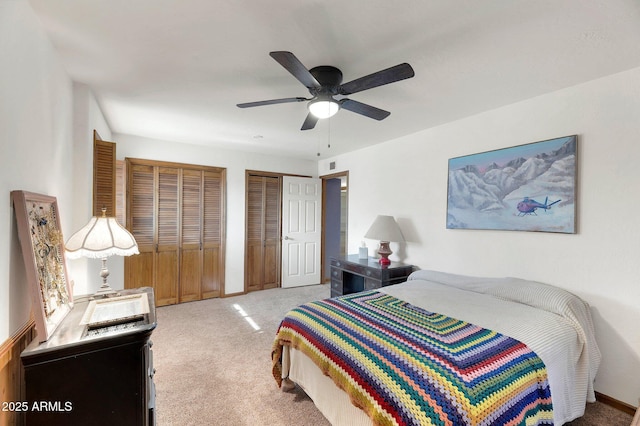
(529, 206)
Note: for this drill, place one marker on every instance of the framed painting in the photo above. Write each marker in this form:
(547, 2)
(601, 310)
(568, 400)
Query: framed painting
(529, 187)
(40, 235)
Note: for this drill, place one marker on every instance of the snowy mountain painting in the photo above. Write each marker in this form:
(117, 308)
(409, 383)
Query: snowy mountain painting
(524, 188)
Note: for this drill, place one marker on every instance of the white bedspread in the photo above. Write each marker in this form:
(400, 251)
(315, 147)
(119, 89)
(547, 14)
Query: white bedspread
(552, 322)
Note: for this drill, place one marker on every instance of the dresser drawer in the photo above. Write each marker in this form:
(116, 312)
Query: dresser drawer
(370, 284)
(363, 270)
(396, 273)
(336, 274)
(350, 274)
(336, 286)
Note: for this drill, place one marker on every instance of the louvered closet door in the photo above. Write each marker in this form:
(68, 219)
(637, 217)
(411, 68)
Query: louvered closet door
(139, 269)
(213, 232)
(262, 256)
(166, 284)
(104, 177)
(176, 212)
(254, 232)
(190, 259)
(121, 193)
(272, 244)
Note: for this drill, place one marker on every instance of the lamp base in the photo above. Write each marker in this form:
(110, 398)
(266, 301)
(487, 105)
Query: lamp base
(384, 251)
(105, 289)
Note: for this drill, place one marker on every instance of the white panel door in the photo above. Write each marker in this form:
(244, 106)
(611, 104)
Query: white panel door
(301, 233)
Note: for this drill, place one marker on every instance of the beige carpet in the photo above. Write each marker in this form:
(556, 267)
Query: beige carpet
(214, 368)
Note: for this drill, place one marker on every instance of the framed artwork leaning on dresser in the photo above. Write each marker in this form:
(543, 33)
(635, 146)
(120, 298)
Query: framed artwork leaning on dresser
(42, 243)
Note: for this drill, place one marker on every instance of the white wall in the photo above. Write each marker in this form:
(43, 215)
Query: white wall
(236, 163)
(46, 146)
(87, 116)
(601, 263)
(36, 144)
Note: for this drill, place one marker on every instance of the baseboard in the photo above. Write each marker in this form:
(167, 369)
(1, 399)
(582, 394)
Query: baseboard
(618, 405)
(636, 418)
(12, 372)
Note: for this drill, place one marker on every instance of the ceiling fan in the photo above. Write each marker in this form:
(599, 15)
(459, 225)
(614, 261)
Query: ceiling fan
(325, 82)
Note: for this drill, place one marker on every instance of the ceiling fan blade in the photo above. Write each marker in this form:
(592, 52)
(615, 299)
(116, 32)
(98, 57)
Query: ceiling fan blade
(380, 78)
(364, 109)
(309, 122)
(292, 64)
(271, 102)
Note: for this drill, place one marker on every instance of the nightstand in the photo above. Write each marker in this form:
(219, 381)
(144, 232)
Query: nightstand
(350, 274)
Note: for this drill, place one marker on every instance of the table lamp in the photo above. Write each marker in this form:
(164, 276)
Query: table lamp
(385, 229)
(100, 238)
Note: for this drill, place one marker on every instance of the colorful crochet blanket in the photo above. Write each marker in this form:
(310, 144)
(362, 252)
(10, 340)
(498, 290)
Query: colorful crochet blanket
(404, 365)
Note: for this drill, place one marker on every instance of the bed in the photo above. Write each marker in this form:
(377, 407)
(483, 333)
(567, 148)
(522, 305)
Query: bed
(443, 349)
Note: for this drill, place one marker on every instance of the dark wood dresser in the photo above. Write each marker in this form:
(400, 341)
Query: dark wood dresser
(93, 375)
(349, 274)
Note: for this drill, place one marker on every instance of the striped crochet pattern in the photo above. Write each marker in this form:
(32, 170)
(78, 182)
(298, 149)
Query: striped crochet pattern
(404, 365)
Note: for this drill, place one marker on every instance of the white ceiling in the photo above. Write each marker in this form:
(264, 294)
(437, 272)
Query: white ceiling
(175, 69)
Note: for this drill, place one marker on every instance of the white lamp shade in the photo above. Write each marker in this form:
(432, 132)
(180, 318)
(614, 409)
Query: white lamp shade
(323, 108)
(100, 238)
(385, 228)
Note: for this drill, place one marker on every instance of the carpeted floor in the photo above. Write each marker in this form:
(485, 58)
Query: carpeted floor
(213, 365)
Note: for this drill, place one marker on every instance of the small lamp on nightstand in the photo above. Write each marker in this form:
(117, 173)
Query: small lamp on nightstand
(100, 238)
(385, 229)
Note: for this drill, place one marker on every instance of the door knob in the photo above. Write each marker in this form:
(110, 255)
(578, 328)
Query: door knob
(287, 238)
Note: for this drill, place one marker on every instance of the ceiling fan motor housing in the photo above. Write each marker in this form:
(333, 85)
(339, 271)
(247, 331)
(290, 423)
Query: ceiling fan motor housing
(329, 78)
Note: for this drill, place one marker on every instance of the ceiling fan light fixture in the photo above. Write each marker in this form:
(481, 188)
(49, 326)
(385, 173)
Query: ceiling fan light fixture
(323, 107)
